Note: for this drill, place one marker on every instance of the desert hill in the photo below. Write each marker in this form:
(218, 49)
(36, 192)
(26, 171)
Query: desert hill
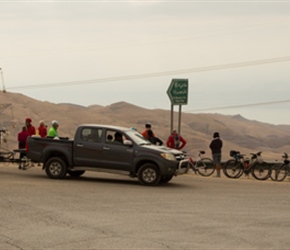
(236, 131)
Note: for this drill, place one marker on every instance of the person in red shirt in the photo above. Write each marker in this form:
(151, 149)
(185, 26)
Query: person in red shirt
(175, 141)
(42, 129)
(22, 138)
(30, 128)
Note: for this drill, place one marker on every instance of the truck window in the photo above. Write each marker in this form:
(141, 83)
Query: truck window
(114, 137)
(91, 134)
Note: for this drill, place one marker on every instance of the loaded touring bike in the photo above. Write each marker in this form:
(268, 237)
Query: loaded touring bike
(280, 171)
(234, 168)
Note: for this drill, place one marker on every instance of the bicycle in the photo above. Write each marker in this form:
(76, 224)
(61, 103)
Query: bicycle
(203, 166)
(280, 172)
(234, 168)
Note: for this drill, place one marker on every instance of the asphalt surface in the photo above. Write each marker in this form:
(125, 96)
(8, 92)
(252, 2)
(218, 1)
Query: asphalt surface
(106, 211)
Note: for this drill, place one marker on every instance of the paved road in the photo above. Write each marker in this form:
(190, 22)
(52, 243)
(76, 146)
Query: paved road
(104, 211)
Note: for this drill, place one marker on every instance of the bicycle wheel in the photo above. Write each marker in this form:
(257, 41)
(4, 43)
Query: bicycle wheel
(279, 173)
(261, 171)
(205, 167)
(233, 169)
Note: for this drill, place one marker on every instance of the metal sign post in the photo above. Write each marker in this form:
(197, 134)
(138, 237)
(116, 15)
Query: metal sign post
(178, 95)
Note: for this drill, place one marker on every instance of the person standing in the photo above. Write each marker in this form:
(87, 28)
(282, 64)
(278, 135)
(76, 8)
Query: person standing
(147, 127)
(216, 150)
(22, 138)
(30, 128)
(175, 141)
(53, 130)
(42, 130)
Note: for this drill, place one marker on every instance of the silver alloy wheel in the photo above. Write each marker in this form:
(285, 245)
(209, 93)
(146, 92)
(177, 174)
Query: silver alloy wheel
(55, 168)
(149, 175)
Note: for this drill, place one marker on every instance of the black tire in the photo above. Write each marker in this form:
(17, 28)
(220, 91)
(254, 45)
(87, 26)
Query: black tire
(76, 173)
(233, 169)
(205, 167)
(243, 170)
(261, 171)
(279, 173)
(55, 168)
(149, 175)
(166, 178)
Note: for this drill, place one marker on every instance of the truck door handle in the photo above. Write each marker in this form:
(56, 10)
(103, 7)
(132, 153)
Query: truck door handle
(80, 145)
(107, 148)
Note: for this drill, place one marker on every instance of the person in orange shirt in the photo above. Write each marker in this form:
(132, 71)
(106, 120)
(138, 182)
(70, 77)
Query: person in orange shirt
(175, 141)
(145, 132)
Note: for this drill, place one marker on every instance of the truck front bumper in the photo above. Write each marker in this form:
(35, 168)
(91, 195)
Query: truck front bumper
(182, 167)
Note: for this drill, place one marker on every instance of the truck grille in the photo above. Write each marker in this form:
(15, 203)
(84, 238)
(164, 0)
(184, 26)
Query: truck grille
(180, 157)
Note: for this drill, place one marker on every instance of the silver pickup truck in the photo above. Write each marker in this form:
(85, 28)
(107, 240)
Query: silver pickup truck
(107, 149)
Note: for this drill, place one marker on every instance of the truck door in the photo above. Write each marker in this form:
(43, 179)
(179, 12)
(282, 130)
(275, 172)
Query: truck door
(116, 155)
(88, 147)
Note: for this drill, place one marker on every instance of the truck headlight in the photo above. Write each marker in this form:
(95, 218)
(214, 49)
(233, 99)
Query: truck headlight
(168, 156)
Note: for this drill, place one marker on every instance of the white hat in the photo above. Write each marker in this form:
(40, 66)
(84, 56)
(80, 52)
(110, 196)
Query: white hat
(54, 122)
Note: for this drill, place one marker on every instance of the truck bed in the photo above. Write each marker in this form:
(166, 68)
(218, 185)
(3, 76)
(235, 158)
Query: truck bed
(40, 145)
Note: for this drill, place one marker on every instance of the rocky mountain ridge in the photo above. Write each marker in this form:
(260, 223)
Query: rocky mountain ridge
(236, 131)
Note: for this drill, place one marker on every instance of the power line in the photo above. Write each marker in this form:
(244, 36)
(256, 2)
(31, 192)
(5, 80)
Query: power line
(239, 106)
(158, 74)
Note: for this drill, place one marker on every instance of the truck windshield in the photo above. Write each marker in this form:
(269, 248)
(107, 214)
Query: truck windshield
(137, 137)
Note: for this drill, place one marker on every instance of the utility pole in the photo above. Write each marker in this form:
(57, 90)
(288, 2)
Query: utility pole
(2, 78)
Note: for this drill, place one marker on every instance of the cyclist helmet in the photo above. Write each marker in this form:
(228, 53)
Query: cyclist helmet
(54, 123)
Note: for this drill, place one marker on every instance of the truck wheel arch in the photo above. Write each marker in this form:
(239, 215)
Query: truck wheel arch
(140, 163)
(50, 154)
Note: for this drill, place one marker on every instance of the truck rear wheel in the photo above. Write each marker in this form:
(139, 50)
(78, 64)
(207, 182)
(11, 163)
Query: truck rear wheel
(149, 175)
(55, 168)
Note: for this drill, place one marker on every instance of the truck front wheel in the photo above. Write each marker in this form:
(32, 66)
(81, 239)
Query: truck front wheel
(149, 175)
(55, 168)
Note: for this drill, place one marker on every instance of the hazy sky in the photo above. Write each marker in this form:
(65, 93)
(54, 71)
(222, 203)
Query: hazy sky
(103, 52)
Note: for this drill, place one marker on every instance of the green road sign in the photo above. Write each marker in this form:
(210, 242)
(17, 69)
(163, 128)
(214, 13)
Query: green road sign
(178, 91)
